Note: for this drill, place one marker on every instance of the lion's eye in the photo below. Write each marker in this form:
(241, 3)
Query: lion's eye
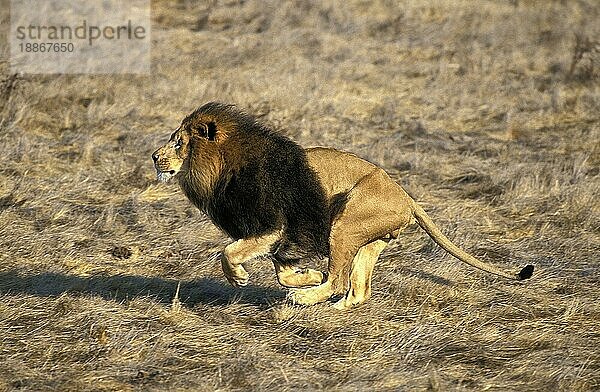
(178, 144)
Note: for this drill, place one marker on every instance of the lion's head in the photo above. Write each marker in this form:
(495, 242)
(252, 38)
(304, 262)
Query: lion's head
(196, 151)
(194, 145)
(173, 156)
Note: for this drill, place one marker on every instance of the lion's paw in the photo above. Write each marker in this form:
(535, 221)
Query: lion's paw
(347, 303)
(237, 276)
(342, 304)
(312, 295)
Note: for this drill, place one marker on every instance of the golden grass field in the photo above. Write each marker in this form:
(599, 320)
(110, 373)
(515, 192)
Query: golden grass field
(481, 109)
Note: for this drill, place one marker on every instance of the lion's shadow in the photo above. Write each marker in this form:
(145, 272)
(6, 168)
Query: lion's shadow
(120, 288)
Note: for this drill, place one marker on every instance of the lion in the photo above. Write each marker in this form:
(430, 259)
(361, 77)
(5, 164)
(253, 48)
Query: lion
(294, 205)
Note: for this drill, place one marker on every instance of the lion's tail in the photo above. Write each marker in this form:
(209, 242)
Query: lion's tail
(427, 224)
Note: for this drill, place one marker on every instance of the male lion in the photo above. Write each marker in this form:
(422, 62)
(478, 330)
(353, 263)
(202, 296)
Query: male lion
(278, 200)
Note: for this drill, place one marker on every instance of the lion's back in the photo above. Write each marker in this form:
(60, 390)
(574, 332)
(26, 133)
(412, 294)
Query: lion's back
(338, 171)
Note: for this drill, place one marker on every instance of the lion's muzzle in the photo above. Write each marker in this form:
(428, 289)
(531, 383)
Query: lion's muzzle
(164, 176)
(163, 173)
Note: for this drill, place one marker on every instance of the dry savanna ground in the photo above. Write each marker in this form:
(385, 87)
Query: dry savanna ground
(488, 112)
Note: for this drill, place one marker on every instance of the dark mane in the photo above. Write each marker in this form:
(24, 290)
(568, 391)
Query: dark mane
(263, 184)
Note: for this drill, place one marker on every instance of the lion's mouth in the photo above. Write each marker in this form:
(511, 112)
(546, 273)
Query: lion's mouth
(164, 176)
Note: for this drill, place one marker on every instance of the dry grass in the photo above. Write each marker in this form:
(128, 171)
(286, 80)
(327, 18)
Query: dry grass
(474, 106)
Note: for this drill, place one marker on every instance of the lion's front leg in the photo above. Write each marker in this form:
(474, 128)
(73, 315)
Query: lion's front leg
(242, 250)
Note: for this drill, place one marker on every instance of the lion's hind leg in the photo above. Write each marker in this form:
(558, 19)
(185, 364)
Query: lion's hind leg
(292, 276)
(376, 206)
(360, 275)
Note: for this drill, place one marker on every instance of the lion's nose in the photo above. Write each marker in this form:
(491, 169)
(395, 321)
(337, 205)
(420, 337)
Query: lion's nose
(155, 157)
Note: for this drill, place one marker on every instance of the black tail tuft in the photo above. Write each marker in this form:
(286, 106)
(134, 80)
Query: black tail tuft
(526, 272)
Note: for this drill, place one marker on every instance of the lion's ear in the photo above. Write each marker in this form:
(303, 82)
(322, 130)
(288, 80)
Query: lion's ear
(211, 131)
(207, 131)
